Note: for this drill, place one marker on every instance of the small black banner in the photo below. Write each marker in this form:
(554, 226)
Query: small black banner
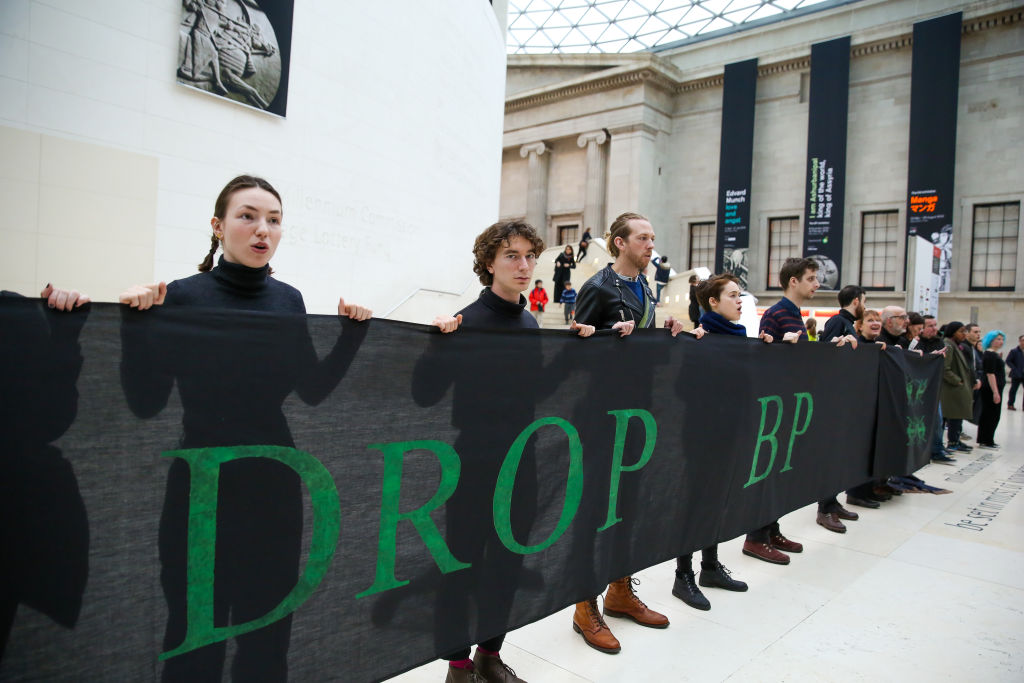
(826, 158)
(734, 168)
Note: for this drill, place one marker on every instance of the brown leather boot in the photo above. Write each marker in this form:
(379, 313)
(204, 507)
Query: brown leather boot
(493, 670)
(588, 622)
(621, 601)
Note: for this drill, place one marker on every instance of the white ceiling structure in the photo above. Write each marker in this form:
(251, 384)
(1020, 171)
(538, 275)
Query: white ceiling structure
(562, 26)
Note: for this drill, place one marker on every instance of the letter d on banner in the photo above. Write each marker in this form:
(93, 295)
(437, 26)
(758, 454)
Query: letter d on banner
(204, 468)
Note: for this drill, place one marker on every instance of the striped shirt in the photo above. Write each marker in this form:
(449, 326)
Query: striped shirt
(781, 318)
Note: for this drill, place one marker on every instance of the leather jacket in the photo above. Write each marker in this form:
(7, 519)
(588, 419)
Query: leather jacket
(605, 299)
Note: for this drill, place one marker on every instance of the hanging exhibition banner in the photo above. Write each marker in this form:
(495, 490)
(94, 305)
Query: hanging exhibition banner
(734, 168)
(826, 158)
(188, 491)
(237, 49)
(934, 89)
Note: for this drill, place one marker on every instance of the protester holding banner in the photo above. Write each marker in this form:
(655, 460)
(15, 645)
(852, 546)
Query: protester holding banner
(720, 297)
(618, 297)
(783, 322)
(504, 257)
(894, 326)
(232, 396)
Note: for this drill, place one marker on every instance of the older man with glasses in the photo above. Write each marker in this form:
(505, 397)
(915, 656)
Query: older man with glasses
(894, 325)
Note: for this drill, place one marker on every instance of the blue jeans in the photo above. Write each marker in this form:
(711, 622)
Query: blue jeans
(937, 437)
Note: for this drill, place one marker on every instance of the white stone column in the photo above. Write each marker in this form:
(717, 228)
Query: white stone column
(593, 203)
(632, 171)
(538, 155)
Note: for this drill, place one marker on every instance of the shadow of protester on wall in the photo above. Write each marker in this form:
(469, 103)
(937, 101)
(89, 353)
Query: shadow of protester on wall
(44, 531)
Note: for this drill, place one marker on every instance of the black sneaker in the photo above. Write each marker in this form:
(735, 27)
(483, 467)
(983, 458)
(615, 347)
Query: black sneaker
(685, 588)
(719, 578)
(944, 459)
(990, 446)
(959, 446)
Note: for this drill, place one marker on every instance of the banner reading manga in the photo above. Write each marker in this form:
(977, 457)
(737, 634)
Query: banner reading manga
(826, 158)
(734, 168)
(934, 90)
(189, 491)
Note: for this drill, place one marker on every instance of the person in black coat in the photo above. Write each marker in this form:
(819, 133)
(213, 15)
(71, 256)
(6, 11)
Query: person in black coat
(1015, 361)
(584, 243)
(564, 262)
(991, 389)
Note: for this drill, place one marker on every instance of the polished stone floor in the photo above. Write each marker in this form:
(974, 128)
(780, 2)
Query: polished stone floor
(926, 588)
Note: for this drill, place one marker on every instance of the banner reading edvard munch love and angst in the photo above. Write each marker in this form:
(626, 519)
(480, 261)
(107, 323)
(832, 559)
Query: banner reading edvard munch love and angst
(734, 168)
(934, 90)
(188, 493)
(826, 158)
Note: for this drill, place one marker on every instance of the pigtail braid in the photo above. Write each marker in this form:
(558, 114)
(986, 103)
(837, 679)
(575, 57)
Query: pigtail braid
(207, 263)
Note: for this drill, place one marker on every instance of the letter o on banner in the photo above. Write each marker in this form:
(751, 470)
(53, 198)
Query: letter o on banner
(502, 507)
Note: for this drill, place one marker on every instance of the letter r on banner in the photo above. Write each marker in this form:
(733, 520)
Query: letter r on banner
(204, 469)
(394, 457)
(650, 436)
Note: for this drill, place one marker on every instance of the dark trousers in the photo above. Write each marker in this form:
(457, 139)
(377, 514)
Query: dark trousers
(492, 644)
(989, 420)
(1014, 384)
(862, 491)
(764, 534)
(955, 429)
(708, 559)
(829, 505)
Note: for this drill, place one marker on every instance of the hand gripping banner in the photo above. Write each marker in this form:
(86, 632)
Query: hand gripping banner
(195, 494)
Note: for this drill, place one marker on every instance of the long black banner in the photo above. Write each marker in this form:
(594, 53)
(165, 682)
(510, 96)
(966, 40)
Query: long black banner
(734, 169)
(826, 158)
(186, 491)
(934, 89)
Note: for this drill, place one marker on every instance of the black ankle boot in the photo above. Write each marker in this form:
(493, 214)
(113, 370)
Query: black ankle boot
(685, 588)
(718, 577)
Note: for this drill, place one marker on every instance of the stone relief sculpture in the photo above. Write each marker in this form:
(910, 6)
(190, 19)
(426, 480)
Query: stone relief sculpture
(228, 47)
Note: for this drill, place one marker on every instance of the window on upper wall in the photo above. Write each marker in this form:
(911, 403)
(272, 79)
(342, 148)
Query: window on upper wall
(702, 245)
(994, 246)
(878, 236)
(783, 243)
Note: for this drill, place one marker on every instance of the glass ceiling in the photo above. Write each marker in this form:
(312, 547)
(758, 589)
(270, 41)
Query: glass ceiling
(553, 26)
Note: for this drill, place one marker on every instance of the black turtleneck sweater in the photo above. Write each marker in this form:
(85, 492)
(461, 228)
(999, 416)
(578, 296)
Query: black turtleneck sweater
(236, 355)
(491, 311)
(231, 285)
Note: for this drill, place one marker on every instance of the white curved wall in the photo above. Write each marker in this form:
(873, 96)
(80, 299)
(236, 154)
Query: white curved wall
(388, 161)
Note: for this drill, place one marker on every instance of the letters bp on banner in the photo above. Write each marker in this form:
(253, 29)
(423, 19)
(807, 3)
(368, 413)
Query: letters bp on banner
(734, 170)
(237, 49)
(190, 490)
(934, 90)
(826, 158)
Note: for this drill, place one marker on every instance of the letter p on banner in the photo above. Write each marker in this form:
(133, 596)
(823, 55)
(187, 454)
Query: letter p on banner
(204, 468)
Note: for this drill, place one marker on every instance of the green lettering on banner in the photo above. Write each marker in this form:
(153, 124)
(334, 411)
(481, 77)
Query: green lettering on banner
(502, 506)
(390, 514)
(801, 398)
(762, 437)
(204, 470)
(621, 426)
